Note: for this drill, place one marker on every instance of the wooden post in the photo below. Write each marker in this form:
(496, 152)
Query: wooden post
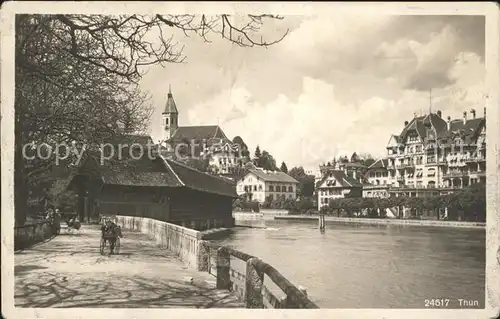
(253, 286)
(223, 265)
(321, 221)
(288, 303)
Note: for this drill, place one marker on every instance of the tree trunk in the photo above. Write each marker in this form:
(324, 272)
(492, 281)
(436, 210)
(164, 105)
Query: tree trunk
(20, 183)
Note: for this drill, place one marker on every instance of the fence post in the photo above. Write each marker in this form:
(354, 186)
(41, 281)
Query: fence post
(223, 264)
(254, 281)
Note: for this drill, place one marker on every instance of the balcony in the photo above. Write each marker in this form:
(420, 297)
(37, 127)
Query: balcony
(455, 174)
(475, 159)
(405, 165)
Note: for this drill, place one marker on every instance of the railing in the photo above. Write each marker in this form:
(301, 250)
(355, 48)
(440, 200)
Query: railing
(405, 165)
(475, 159)
(455, 174)
(30, 234)
(250, 286)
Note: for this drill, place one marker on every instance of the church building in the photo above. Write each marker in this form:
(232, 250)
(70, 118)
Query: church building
(209, 141)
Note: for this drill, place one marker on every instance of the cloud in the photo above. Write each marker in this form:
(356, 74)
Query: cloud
(314, 128)
(336, 84)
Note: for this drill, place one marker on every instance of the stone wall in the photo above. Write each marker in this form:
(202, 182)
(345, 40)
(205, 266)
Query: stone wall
(274, 212)
(185, 243)
(28, 235)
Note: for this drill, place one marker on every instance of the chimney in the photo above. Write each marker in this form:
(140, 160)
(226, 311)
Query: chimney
(406, 123)
(465, 117)
(473, 113)
(439, 113)
(448, 123)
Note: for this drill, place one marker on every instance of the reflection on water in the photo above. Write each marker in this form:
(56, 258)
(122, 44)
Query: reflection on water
(371, 266)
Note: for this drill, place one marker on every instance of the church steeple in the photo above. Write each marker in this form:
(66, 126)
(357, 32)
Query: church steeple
(169, 117)
(170, 106)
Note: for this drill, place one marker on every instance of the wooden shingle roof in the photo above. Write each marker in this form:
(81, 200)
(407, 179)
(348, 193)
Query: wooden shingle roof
(144, 171)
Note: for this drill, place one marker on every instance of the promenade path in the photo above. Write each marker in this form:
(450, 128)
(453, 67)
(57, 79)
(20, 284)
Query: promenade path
(68, 271)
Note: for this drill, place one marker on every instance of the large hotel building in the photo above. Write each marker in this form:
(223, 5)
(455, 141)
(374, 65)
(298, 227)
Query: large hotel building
(432, 155)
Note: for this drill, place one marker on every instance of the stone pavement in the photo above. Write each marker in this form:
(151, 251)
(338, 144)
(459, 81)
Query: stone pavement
(69, 271)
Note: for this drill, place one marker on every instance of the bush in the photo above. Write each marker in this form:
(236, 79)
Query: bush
(469, 202)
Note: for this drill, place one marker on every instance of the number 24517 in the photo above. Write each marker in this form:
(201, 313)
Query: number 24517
(436, 303)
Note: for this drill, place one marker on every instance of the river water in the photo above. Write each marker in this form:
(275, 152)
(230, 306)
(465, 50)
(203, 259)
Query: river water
(371, 266)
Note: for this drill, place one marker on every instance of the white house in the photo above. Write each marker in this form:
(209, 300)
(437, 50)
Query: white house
(336, 184)
(260, 184)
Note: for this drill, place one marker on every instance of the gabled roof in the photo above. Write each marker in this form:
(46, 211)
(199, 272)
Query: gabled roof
(157, 172)
(198, 133)
(194, 179)
(394, 138)
(272, 176)
(438, 123)
(342, 178)
(380, 163)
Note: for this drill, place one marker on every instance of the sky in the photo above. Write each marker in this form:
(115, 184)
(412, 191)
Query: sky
(336, 84)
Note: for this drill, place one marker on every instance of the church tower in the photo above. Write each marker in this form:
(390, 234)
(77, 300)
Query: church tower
(169, 117)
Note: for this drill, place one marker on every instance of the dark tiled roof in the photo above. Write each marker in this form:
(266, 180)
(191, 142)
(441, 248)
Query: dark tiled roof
(170, 106)
(342, 178)
(200, 181)
(275, 176)
(197, 133)
(467, 131)
(158, 172)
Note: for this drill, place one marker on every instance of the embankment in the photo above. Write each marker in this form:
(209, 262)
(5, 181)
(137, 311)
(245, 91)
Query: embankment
(388, 221)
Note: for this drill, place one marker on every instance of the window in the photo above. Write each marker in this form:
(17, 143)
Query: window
(260, 187)
(271, 197)
(166, 121)
(290, 189)
(271, 188)
(254, 188)
(283, 188)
